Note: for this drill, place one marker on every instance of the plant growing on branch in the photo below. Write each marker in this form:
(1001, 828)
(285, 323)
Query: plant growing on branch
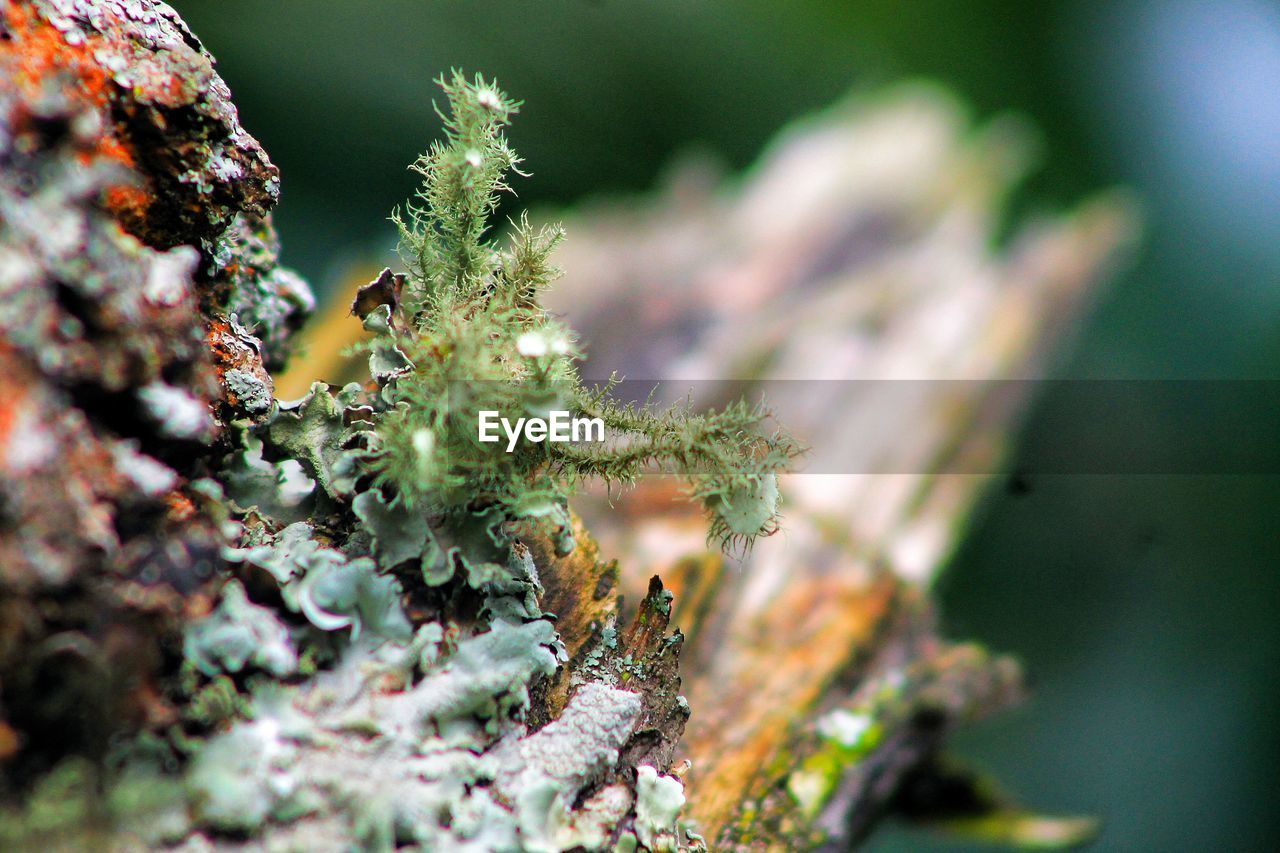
(464, 333)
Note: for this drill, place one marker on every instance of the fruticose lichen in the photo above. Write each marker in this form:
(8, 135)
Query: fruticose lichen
(463, 333)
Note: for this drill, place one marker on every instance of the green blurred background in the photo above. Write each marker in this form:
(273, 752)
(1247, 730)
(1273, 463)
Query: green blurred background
(1144, 606)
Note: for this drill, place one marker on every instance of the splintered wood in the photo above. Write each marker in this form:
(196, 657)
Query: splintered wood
(859, 252)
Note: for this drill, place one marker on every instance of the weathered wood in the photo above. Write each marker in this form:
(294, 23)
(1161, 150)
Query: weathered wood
(859, 249)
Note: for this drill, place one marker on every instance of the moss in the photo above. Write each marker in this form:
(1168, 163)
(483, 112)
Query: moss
(64, 802)
(847, 737)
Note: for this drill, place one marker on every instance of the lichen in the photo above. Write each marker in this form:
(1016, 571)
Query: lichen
(846, 738)
(250, 392)
(658, 802)
(398, 536)
(365, 659)
(267, 298)
(464, 332)
(240, 633)
(312, 431)
(176, 412)
(152, 477)
(331, 590)
(574, 749)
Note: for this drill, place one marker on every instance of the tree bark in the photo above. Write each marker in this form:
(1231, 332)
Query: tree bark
(137, 246)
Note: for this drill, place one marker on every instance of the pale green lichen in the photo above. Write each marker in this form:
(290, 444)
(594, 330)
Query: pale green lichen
(312, 431)
(351, 594)
(176, 412)
(330, 589)
(658, 802)
(398, 535)
(151, 477)
(603, 665)
(252, 394)
(241, 778)
(279, 490)
(489, 674)
(314, 746)
(572, 750)
(239, 633)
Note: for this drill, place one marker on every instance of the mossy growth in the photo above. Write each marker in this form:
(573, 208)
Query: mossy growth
(442, 661)
(464, 332)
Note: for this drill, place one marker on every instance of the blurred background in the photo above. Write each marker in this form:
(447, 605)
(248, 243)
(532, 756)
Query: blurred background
(1144, 607)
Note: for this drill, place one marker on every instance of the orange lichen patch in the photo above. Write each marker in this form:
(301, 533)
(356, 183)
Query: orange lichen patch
(219, 338)
(197, 606)
(151, 705)
(112, 149)
(127, 205)
(169, 89)
(228, 350)
(9, 741)
(37, 50)
(11, 391)
(107, 147)
(126, 202)
(179, 507)
(36, 53)
(149, 597)
(8, 414)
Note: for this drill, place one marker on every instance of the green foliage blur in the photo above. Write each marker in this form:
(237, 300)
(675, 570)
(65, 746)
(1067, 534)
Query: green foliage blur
(1143, 606)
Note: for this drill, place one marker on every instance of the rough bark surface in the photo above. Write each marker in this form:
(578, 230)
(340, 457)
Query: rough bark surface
(133, 226)
(141, 307)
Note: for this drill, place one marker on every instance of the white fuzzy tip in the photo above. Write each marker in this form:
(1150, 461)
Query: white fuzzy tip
(531, 345)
